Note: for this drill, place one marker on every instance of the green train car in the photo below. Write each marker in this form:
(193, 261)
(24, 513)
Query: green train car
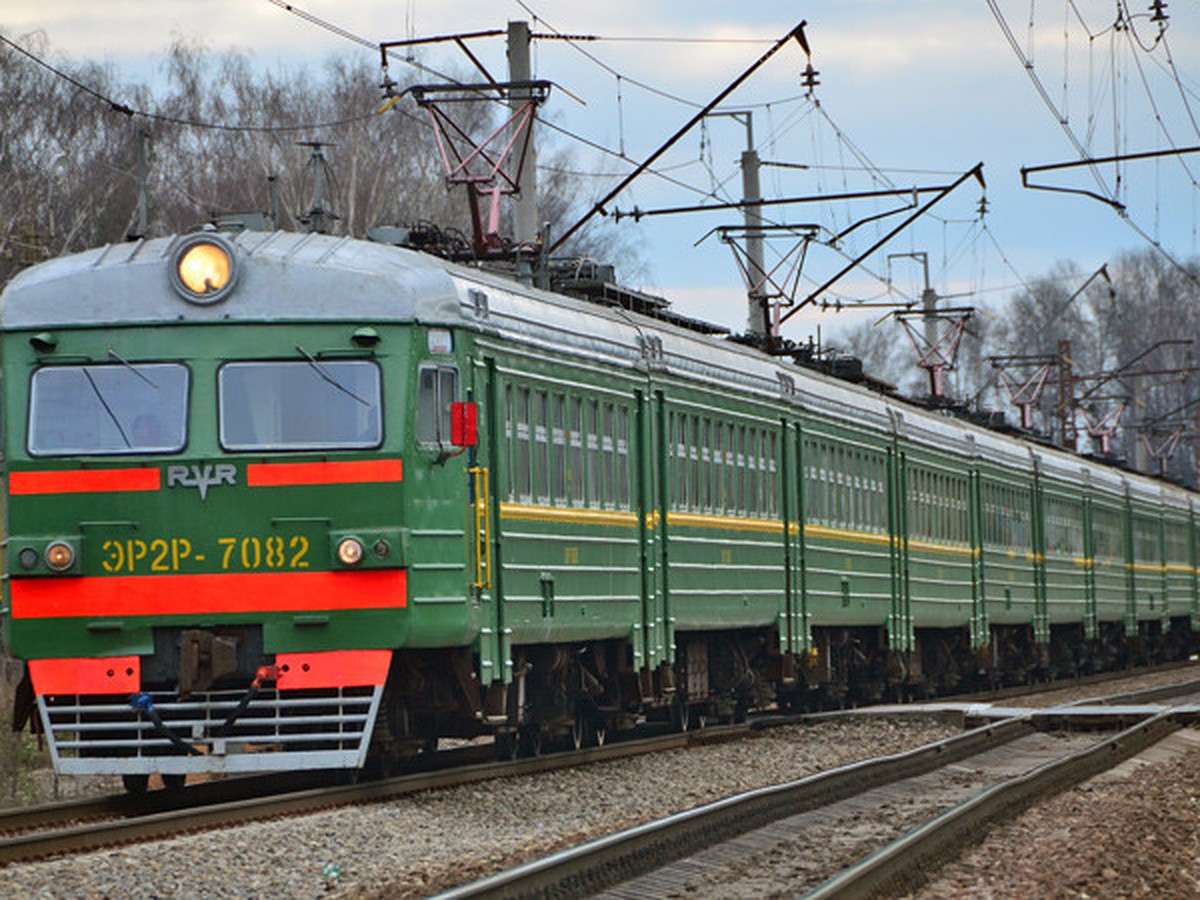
(283, 501)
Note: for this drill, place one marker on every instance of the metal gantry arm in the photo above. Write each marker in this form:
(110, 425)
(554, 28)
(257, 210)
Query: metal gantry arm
(796, 33)
(975, 172)
(1092, 161)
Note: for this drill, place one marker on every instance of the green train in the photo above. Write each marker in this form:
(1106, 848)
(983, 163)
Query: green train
(291, 501)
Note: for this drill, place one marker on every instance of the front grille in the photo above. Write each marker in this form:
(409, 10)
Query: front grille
(325, 729)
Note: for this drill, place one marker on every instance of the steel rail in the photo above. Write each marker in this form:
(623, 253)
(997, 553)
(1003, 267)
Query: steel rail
(596, 865)
(64, 813)
(61, 814)
(172, 815)
(114, 806)
(612, 859)
(905, 863)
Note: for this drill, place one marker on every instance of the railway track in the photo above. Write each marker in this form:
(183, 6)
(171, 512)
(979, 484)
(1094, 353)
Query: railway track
(78, 826)
(902, 812)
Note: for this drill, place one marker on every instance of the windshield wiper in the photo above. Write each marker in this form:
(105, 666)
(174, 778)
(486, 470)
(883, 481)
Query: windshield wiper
(108, 409)
(320, 370)
(131, 367)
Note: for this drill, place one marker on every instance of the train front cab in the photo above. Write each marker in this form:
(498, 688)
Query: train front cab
(224, 594)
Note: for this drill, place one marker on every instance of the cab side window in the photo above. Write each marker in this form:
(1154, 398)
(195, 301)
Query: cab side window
(437, 389)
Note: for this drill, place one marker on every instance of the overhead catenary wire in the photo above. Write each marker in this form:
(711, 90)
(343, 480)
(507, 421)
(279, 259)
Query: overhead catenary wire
(1158, 118)
(847, 146)
(573, 41)
(1109, 194)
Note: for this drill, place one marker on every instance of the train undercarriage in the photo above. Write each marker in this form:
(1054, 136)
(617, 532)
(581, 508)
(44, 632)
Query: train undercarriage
(581, 694)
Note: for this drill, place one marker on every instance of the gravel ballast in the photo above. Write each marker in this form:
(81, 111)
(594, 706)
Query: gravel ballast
(1132, 832)
(425, 843)
(1131, 835)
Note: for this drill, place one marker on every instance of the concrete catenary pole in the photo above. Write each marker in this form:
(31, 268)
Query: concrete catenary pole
(525, 211)
(759, 323)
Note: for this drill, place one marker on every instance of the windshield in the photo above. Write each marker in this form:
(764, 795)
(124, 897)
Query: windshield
(302, 405)
(108, 409)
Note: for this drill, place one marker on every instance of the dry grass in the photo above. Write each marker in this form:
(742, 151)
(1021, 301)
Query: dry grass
(21, 759)
(26, 774)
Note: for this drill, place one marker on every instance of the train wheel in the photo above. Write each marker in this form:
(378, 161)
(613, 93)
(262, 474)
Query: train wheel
(135, 784)
(506, 746)
(679, 714)
(531, 741)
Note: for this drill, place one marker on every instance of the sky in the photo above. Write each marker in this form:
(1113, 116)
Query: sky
(910, 94)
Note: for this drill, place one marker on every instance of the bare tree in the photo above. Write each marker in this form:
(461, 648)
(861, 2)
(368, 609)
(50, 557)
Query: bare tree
(218, 129)
(65, 162)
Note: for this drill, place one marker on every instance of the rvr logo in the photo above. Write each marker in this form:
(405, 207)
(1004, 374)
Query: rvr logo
(202, 477)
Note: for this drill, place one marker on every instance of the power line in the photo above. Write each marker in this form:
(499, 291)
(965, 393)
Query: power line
(666, 39)
(573, 41)
(1085, 157)
(129, 111)
(1158, 116)
(574, 45)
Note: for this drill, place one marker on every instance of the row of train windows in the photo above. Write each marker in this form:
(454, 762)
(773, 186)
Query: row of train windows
(1005, 517)
(1065, 534)
(723, 468)
(1064, 526)
(846, 487)
(566, 451)
(937, 509)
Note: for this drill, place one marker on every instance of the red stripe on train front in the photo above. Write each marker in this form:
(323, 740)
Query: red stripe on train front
(336, 668)
(84, 481)
(298, 671)
(166, 595)
(107, 675)
(361, 472)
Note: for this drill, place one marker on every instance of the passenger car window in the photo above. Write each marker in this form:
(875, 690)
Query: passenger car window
(108, 409)
(300, 405)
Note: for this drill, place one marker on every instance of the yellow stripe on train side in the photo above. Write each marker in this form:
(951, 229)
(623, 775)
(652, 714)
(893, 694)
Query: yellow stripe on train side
(572, 516)
(733, 523)
(845, 534)
(575, 516)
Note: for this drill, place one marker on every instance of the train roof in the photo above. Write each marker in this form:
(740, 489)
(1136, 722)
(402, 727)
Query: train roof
(287, 276)
(556, 323)
(281, 276)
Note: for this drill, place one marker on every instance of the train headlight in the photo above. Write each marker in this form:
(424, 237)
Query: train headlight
(204, 268)
(60, 556)
(350, 551)
(28, 558)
